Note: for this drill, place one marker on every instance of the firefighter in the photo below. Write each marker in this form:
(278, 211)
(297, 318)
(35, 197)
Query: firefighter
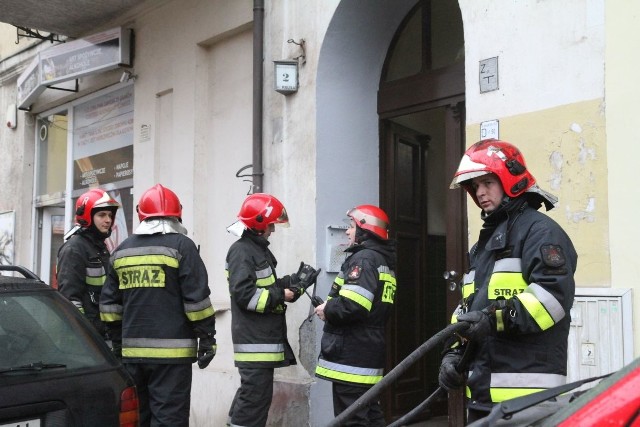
(352, 354)
(258, 296)
(83, 259)
(519, 287)
(156, 305)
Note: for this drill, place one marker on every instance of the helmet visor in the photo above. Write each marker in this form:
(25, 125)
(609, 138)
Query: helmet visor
(283, 219)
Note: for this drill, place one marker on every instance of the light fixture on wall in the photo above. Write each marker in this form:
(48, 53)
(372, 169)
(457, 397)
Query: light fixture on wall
(286, 76)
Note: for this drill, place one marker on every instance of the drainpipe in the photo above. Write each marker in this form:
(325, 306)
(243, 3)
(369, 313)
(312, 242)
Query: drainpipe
(258, 77)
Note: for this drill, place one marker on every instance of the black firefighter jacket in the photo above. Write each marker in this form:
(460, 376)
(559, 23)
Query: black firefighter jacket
(524, 268)
(83, 262)
(357, 308)
(157, 298)
(258, 324)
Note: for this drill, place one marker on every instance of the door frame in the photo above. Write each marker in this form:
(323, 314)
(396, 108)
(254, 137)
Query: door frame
(46, 231)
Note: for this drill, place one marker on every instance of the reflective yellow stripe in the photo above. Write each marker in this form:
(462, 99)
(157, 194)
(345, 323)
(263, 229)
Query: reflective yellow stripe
(389, 289)
(262, 301)
(501, 394)
(200, 314)
(145, 276)
(258, 357)
(128, 261)
(499, 321)
(110, 317)
(95, 281)
(505, 285)
(267, 281)
(468, 289)
(351, 378)
(339, 281)
(357, 298)
(536, 310)
(165, 353)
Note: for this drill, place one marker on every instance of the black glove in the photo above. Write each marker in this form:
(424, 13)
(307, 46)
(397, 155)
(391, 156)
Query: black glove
(302, 279)
(206, 350)
(481, 324)
(449, 378)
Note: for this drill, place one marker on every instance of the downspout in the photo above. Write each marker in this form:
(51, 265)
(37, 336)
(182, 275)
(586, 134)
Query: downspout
(258, 77)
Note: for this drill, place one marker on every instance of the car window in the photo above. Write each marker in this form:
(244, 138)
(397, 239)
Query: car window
(36, 328)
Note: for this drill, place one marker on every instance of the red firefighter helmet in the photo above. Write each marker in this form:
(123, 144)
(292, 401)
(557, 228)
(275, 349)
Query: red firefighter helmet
(498, 157)
(92, 201)
(159, 201)
(260, 209)
(371, 218)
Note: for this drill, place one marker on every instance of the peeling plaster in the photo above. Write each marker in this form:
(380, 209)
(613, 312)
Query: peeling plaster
(585, 153)
(588, 214)
(556, 160)
(576, 128)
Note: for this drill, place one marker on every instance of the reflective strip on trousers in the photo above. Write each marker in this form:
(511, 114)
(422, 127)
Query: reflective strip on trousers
(346, 373)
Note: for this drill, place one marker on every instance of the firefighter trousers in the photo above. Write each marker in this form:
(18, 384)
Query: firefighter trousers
(164, 393)
(369, 415)
(250, 406)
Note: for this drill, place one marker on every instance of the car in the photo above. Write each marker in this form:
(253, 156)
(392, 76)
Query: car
(613, 401)
(55, 369)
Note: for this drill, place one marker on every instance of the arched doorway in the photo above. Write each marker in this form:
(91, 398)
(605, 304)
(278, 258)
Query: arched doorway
(421, 110)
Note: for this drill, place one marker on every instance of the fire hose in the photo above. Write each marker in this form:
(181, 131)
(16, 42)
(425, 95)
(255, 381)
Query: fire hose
(396, 372)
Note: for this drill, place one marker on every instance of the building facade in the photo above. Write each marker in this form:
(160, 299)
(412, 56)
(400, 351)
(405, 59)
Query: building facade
(389, 94)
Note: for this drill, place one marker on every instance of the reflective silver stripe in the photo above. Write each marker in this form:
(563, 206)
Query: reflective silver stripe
(258, 348)
(149, 250)
(264, 273)
(255, 299)
(196, 306)
(552, 305)
(111, 308)
(159, 342)
(513, 265)
(368, 219)
(350, 369)
(469, 277)
(385, 269)
(358, 290)
(527, 380)
(95, 272)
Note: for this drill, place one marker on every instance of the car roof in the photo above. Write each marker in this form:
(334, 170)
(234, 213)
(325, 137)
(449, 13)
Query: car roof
(8, 283)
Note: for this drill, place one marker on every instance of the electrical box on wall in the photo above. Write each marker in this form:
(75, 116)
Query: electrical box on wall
(337, 242)
(600, 335)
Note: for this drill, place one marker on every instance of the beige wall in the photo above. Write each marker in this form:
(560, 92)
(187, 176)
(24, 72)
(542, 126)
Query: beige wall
(565, 149)
(623, 145)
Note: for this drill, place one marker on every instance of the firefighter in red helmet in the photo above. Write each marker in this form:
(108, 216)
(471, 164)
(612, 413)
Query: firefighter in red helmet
(83, 260)
(258, 296)
(352, 354)
(156, 306)
(519, 288)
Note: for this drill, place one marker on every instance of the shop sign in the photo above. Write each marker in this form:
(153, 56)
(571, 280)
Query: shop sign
(29, 87)
(71, 60)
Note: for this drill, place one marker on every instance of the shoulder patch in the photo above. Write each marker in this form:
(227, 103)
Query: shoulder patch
(552, 255)
(355, 272)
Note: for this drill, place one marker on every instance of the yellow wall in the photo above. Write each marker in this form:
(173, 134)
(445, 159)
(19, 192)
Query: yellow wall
(565, 149)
